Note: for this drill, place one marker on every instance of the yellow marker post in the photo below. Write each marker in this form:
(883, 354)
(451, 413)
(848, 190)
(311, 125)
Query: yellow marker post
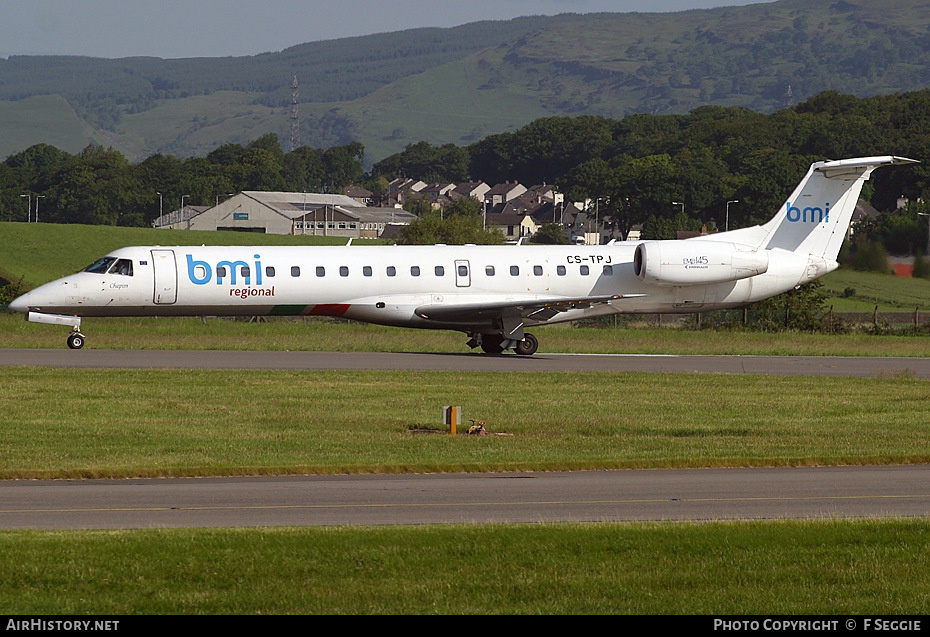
(452, 415)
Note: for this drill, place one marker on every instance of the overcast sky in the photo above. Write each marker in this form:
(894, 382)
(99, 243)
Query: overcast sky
(216, 28)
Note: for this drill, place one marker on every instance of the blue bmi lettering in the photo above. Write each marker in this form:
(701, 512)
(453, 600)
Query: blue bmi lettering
(201, 272)
(808, 214)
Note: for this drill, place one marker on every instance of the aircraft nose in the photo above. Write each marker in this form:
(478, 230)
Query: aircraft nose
(20, 303)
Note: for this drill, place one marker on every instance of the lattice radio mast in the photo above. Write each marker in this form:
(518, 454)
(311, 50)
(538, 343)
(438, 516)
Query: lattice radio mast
(295, 115)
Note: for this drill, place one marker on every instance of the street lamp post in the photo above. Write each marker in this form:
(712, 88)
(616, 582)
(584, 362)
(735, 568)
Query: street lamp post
(182, 212)
(680, 203)
(37, 206)
(927, 215)
(728, 213)
(160, 206)
(28, 207)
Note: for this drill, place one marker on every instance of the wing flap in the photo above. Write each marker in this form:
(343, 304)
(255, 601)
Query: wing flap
(536, 309)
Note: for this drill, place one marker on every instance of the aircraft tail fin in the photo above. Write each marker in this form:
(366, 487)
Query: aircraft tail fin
(816, 217)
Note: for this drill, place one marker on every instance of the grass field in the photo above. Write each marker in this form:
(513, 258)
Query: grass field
(758, 568)
(70, 423)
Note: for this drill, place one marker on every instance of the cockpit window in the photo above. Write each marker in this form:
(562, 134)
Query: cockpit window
(110, 265)
(100, 266)
(123, 267)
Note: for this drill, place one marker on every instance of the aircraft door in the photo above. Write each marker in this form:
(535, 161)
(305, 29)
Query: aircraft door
(462, 274)
(166, 277)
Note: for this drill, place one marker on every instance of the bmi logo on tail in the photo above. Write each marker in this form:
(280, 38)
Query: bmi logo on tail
(809, 214)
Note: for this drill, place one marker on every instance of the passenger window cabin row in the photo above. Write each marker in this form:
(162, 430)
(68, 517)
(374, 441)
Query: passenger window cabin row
(391, 271)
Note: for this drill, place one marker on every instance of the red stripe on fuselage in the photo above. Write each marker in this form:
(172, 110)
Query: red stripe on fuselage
(329, 309)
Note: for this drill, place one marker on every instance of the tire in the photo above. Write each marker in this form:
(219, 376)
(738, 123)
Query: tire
(528, 346)
(76, 341)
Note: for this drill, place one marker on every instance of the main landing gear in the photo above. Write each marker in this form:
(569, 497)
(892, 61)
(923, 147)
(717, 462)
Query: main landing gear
(496, 343)
(526, 347)
(75, 340)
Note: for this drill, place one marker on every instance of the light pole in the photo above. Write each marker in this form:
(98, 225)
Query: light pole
(182, 212)
(28, 207)
(927, 215)
(597, 228)
(680, 203)
(160, 206)
(37, 206)
(728, 213)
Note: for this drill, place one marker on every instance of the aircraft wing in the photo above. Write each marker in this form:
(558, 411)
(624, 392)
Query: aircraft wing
(536, 309)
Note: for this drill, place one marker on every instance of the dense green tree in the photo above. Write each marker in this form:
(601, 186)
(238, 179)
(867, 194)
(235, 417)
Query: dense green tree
(36, 162)
(901, 232)
(342, 166)
(650, 184)
(658, 227)
(156, 174)
(95, 186)
(431, 229)
(227, 155)
(303, 170)
(589, 180)
(427, 162)
(463, 207)
(550, 234)
(419, 206)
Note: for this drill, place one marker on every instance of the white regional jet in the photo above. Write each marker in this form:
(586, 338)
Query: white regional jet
(491, 293)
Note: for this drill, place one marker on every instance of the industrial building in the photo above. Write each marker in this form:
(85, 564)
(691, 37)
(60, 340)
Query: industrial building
(288, 213)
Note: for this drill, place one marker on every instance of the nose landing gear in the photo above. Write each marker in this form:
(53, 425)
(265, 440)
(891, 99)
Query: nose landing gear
(75, 340)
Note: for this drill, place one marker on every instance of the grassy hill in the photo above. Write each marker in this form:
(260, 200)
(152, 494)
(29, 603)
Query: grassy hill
(458, 85)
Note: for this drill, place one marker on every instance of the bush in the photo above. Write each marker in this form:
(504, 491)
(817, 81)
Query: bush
(921, 269)
(10, 291)
(870, 256)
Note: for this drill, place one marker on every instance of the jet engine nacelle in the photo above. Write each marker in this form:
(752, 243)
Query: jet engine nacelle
(697, 262)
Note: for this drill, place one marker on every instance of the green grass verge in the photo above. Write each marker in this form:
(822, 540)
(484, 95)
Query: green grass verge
(312, 334)
(68, 423)
(868, 289)
(747, 568)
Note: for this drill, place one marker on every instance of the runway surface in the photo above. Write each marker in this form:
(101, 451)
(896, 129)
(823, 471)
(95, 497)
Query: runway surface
(852, 366)
(693, 494)
(584, 496)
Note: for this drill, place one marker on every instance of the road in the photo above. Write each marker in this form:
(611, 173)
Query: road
(583, 496)
(860, 366)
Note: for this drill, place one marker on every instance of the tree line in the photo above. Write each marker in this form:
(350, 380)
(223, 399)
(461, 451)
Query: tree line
(100, 186)
(715, 166)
